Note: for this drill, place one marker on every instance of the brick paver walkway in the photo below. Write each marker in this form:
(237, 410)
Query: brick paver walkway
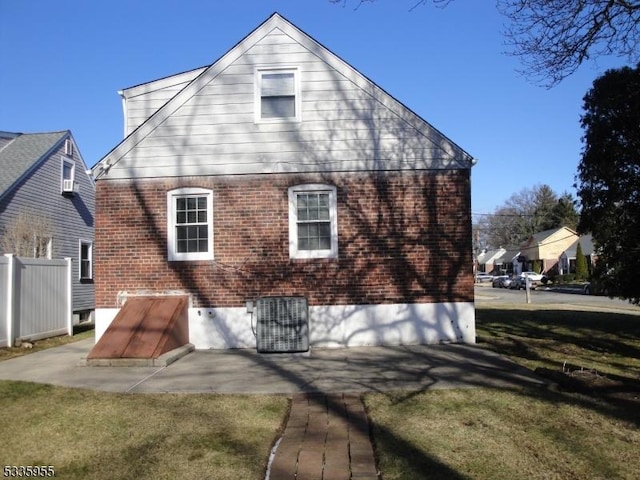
(326, 438)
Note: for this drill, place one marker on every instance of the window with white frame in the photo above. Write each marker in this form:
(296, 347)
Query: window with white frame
(86, 260)
(68, 174)
(313, 221)
(190, 224)
(277, 95)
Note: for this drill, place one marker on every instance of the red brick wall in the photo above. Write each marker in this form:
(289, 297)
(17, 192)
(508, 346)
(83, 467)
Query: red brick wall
(402, 238)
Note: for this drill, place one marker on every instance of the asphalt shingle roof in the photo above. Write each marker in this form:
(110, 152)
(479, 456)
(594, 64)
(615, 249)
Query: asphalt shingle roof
(23, 152)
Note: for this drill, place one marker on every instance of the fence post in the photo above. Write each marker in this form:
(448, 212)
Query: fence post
(10, 298)
(69, 297)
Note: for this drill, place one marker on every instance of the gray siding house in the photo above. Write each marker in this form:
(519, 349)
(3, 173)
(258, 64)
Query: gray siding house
(47, 205)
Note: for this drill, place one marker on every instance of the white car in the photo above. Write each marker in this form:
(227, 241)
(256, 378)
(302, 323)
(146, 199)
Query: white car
(520, 282)
(533, 276)
(483, 277)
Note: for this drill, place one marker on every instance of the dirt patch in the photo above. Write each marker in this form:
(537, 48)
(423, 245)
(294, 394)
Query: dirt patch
(612, 388)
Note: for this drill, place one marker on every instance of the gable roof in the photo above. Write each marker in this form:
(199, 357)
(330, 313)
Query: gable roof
(585, 241)
(22, 153)
(491, 256)
(540, 237)
(455, 156)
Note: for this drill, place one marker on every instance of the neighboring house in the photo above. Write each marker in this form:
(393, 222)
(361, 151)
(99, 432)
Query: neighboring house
(47, 204)
(280, 170)
(488, 258)
(508, 262)
(567, 262)
(547, 246)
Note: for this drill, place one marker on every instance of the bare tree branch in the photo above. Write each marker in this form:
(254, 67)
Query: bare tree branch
(553, 38)
(27, 235)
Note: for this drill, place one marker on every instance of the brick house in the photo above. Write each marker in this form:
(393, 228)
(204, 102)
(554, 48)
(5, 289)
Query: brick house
(280, 170)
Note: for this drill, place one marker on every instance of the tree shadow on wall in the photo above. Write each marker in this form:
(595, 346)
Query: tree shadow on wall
(404, 228)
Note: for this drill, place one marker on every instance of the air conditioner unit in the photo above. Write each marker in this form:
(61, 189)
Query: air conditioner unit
(68, 186)
(282, 324)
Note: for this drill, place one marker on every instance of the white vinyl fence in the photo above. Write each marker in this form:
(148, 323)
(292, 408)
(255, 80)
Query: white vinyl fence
(35, 298)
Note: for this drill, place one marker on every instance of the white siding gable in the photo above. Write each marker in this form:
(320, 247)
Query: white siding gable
(209, 127)
(142, 101)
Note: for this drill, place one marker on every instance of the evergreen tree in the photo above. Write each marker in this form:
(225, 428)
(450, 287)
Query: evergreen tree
(609, 178)
(582, 271)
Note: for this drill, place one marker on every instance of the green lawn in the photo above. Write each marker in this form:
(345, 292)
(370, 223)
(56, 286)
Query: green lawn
(80, 332)
(520, 434)
(470, 433)
(95, 435)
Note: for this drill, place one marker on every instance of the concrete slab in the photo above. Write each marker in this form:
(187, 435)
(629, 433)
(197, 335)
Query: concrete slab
(361, 369)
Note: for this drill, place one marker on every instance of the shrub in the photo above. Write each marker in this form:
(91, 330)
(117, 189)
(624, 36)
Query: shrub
(582, 271)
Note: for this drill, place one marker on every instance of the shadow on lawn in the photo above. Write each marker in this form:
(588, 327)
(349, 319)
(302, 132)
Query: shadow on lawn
(574, 348)
(536, 334)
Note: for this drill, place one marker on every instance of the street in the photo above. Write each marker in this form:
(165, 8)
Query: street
(486, 295)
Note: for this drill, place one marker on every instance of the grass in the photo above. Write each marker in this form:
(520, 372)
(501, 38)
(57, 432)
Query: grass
(547, 336)
(85, 434)
(80, 332)
(507, 434)
(489, 434)
(441, 434)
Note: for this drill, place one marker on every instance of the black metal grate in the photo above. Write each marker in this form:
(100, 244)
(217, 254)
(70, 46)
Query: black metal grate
(282, 324)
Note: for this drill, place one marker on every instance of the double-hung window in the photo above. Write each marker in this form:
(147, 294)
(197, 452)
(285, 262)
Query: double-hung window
(313, 222)
(86, 260)
(277, 95)
(68, 174)
(190, 224)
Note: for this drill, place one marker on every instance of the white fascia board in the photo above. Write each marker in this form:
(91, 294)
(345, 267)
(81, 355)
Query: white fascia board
(459, 157)
(186, 93)
(381, 96)
(161, 83)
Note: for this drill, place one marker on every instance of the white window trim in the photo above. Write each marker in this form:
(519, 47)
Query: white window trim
(80, 243)
(172, 254)
(258, 94)
(68, 147)
(69, 161)
(293, 221)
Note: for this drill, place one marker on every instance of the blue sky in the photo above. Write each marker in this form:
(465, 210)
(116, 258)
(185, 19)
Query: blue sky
(65, 60)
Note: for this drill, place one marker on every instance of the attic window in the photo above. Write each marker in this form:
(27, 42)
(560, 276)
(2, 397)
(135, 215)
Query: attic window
(68, 174)
(278, 96)
(68, 147)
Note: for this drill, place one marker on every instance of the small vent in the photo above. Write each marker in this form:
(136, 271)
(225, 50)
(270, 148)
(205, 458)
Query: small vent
(282, 324)
(68, 147)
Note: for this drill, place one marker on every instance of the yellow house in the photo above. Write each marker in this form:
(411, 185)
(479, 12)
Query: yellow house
(547, 246)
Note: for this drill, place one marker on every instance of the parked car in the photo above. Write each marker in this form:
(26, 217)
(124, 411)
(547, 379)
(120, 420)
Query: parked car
(535, 277)
(483, 277)
(501, 281)
(506, 283)
(519, 282)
